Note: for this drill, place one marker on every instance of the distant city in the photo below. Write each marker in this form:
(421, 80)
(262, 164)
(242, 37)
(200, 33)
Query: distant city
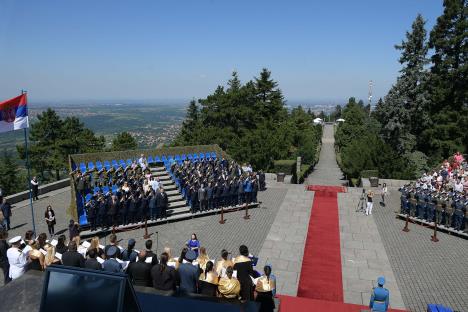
(151, 123)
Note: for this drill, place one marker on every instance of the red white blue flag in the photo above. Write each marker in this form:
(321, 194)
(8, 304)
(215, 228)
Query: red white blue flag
(14, 114)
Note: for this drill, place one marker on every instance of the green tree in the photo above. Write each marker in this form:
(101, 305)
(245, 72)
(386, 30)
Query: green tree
(250, 122)
(9, 176)
(124, 141)
(53, 139)
(447, 83)
(44, 151)
(403, 115)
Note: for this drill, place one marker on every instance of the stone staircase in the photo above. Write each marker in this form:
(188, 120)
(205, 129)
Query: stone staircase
(177, 204)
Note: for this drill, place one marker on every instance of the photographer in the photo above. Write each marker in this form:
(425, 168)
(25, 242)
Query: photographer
(370, 203)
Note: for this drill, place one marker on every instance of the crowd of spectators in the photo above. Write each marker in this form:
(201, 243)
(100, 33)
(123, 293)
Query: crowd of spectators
(193, 272)
(441, 195)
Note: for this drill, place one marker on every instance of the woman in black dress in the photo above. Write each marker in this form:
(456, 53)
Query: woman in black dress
(50, 219)
(243, 266)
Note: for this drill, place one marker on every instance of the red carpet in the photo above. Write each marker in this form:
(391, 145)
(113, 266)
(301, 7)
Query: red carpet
(321, 265)
(296, 304)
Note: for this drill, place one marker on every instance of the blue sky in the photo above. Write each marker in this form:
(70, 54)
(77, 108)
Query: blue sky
(179, 49)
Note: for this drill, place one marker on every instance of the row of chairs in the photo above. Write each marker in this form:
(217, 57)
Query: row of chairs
(151, 160)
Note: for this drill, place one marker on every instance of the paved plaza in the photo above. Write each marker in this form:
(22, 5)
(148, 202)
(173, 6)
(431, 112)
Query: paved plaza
(417, 270)
(426, 272)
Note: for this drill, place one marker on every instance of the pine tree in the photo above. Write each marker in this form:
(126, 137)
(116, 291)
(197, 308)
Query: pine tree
(403, 115)
(124, 141)
(448, 81)
(9, 179)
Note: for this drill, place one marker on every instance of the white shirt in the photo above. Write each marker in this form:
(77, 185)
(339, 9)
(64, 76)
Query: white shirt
(17, 261)
(34, 182)
(154, 185)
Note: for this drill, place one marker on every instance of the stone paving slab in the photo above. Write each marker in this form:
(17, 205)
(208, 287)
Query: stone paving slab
(284, 244)
(363, 255)
(426, 272)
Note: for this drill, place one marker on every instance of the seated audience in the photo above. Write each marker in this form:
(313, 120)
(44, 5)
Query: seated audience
(224, 263)
(164, 277)
(150, 253)
(92, 262)
(129, 254)
(228, 286)
(139, 272)
(208, 281)
(111, 264)
(50, 257)
(72, 257)
(61, 247)
(188, 274)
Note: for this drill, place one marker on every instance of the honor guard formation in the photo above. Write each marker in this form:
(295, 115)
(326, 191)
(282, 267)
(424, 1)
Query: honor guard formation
(440, 196)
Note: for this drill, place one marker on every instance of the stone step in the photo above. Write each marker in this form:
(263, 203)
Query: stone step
(175, 204)
(159, 173)
(170, 187)
(173, 192)
(174, 198)
(157, 169)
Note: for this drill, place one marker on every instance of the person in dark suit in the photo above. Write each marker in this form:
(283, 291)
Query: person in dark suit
(61, 246)
(91, 262)
(123, 209)
(209, 196)
(102, 211)
(132, 208)
(140, 271)
(189, 274)
(162, 202)
(6, 210)
(113, 242)
(261, 180)
(150, 253)
(164, 277)
(152, 204)
(226, 195)
(241, 192)
(143, 209)
(91, 213)
(254, 190)
(202, 197)
(73, 229)
(113, 205)
(243, 266)
(72, 257)
(35, 188)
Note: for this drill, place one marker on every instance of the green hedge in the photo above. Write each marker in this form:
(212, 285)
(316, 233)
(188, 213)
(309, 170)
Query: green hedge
(287, 166)
(369, 173)
(305, 171)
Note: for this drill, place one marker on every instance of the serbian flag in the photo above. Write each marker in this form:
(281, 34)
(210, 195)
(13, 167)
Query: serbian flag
(14, 114)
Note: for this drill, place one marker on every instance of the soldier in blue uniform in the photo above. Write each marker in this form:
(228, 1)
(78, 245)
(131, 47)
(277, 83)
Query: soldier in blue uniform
(380, 297)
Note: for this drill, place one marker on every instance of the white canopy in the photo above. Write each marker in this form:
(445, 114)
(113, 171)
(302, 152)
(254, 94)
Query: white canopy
(340, 120)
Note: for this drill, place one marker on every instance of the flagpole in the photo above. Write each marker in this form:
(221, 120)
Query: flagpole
(29, 176)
